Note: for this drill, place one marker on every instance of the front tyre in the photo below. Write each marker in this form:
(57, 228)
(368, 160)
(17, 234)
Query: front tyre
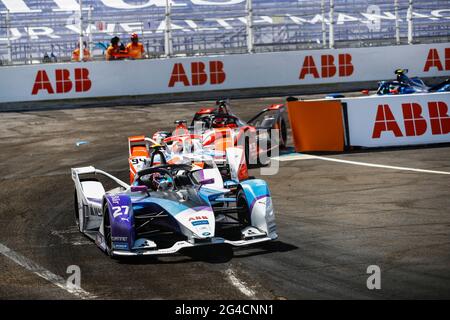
(107, 230)
(244, 214)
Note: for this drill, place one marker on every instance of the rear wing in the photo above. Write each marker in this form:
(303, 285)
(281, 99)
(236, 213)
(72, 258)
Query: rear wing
(278, 109)
(90, 192)
(139, 152)
(76, 172)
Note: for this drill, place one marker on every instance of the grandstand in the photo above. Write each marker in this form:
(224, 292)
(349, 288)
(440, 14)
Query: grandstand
(202, 27)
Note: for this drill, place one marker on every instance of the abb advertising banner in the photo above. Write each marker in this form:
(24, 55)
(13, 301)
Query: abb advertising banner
(380, 121)
(243, 71)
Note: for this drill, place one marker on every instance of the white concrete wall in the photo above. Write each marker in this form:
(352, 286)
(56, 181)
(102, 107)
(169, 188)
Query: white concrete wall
(147, 77)
(396, 120)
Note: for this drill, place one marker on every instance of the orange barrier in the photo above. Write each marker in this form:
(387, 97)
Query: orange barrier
(317, 125)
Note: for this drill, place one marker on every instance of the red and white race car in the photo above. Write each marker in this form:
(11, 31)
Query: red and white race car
(145, 153)
(218, 128)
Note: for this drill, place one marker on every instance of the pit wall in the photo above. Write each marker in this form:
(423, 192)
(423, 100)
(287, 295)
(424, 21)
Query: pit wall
(192, 75)
(372, 121)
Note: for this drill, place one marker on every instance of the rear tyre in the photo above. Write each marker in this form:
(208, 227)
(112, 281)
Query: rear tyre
(283, 134)
(76, 210)
(244, 215)
(247, 150)
(264, 160)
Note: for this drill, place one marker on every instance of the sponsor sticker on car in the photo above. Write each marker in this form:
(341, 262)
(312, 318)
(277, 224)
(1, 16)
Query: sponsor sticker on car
(199, 222)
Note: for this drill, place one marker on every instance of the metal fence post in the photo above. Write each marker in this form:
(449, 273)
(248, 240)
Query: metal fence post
(8, 36)
(397, 25)
(331, 37)
(250, 40)
(142, 33)
(90, 46)
(167, 34)
(29, 45)
(324, 29)
(409, 17)
(81, 32)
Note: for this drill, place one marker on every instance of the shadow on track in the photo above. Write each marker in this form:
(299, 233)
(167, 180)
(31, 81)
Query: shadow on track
(264, 248)
(216, 254)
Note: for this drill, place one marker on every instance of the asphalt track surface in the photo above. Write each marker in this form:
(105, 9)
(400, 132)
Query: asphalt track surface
(334, 219)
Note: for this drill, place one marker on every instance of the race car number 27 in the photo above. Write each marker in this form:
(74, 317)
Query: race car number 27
(120, 210)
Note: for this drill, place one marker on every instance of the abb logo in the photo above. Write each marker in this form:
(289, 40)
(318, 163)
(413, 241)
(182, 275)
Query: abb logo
(199, 75)
(434, 60)
(328, 67)
(63, 82)
(198, 218)
(415, 123)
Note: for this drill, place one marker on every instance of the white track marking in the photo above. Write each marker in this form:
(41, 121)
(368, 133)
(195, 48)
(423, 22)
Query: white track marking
(239, 284)
(366, 164)
(44, 273)
(292, 157)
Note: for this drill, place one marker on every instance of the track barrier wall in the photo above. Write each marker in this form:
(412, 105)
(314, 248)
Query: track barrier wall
(373, 121)
(398, 120)
(103, 79)
(317, 125)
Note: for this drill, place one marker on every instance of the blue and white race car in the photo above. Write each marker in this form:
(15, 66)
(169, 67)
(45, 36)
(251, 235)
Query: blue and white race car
(401, 85)
(406, 85)
(169, 207)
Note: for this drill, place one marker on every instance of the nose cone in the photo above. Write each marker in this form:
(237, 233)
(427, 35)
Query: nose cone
(199, 220)
(202, 224)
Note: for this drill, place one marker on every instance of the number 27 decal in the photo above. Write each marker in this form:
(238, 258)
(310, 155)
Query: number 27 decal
(120, 210)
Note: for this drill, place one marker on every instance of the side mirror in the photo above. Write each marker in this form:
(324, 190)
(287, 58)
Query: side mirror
(142, 189)
(207, 181)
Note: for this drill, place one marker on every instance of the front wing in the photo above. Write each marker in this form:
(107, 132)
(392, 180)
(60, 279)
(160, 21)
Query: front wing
(185, 244)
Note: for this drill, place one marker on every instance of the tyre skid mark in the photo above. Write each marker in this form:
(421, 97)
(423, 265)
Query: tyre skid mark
(239, 284)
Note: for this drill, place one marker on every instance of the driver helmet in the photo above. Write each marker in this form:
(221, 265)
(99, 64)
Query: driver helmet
(160, 182)
(394, 89)
(159, 136)
(219, 122)
(177, 147)
(222, 109)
